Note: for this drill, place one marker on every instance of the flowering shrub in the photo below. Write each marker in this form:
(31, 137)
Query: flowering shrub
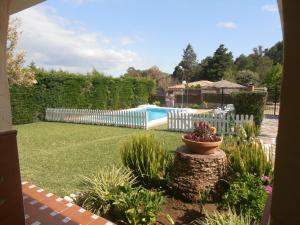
(246, 157)
(203, 133)
(248, 194)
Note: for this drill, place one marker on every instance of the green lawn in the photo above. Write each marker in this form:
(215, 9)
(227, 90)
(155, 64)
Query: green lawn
(56, 155)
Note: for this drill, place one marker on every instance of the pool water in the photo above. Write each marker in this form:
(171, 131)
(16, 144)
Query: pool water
(155, 113)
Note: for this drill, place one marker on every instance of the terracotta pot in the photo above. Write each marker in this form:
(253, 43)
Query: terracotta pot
(203, 148)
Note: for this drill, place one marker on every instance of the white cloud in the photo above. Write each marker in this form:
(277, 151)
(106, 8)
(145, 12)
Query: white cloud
(76, 2)
(270, 8)
(227, 25)
(53, 42)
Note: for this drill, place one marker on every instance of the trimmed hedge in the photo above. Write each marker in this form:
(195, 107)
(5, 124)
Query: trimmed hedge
(251, 103)
(58, 89)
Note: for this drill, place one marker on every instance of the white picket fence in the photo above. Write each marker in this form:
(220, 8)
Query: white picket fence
(100, 117)
(180, 121)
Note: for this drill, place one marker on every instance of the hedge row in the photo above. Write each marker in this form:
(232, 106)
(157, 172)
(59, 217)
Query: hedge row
(250, 103)
(59, 89)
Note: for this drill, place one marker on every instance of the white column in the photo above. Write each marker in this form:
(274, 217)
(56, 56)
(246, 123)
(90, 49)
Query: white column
(5, 110)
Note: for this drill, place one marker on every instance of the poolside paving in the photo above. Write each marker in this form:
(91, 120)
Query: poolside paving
(269, 130)
(268, 133)
(44, 208)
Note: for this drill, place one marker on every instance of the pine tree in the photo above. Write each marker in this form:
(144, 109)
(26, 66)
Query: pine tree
(187, 67)
(218, 66)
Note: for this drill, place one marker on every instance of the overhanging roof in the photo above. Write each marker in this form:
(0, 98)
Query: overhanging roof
(19, 5)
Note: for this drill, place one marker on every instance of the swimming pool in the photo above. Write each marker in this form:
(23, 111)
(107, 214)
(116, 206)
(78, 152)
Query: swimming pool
(155, 113)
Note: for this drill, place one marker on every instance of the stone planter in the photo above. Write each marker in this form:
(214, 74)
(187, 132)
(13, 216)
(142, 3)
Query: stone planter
(203, 148)
(192, 174)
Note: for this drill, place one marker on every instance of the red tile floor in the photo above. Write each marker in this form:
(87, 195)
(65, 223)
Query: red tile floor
(44, 208)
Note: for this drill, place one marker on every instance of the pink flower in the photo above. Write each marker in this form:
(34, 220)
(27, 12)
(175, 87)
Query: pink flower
(269, 189)
(266, 179)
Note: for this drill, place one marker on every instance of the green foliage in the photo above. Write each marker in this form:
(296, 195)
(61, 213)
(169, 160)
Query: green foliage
(275, 52)
(24, 104)
(273, 82)
(258, 62)
(163, 80)
(138, 206)
(218, 66)
(244, 62)
(250, 103)
(146, 158)
(251, 130)
(112, 193)
(58, 89)
(246, 157)
(247, 77)
(188, 65)
(196, 106)
(98, 190)
(157, 103)
(226, 218)
(246, 195)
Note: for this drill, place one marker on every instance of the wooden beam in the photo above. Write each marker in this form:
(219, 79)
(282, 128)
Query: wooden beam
(5, 111)
(286, 195)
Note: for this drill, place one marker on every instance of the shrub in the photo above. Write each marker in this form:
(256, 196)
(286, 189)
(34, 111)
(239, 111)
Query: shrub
(250, 103)
(138, 206)
(196, 106)
(251, 130)
(24, 104)
(246, 195)
(157, 103)
(226, 218)
(146, 158)
(98, 190)
(246, 157)
(58, 89)
(247, 77)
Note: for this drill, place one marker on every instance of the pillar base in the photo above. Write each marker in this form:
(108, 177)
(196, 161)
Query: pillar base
(11, 199)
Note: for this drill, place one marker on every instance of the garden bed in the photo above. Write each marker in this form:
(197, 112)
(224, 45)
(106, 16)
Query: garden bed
(182, 212)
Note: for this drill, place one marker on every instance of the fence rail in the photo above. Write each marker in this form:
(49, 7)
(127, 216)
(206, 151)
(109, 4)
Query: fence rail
(272, 109)
(179, 121)
(100, 117)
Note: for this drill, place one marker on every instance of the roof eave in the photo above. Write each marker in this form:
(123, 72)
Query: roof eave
(19, 5)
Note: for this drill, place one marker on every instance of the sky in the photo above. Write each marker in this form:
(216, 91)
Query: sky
(112, 35)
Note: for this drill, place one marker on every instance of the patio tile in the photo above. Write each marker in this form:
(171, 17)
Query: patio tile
(44, 208)
(75, 213)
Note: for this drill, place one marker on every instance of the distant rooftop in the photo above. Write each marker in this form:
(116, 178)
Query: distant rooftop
(201, 83)
(226, 84)
(208, 84)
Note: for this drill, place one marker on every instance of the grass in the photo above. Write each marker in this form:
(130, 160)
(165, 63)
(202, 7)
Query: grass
(56, 155)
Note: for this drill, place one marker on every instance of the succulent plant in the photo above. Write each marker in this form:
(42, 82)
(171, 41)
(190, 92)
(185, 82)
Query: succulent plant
(203, 132)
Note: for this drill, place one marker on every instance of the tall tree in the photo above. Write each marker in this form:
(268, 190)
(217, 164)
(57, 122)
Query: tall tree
(275, 53)
(244, 62)
(17, 74)
(186, 69)
(163, 80)
(256, 62)
(218, 66)
(273, 82)
(261, 63)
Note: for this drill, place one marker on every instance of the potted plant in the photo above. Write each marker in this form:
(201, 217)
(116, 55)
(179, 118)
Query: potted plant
(203, 140)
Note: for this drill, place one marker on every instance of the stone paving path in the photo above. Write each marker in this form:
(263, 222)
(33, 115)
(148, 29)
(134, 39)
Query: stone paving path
(268, 134)
(269, 130)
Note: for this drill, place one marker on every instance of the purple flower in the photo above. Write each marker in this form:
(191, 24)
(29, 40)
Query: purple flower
(269, 189)
(266, 179)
